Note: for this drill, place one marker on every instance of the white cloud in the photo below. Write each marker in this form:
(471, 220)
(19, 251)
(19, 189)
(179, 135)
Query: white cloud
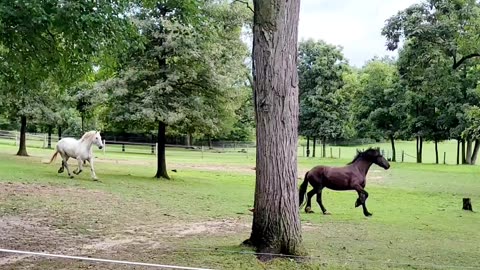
(353, 24)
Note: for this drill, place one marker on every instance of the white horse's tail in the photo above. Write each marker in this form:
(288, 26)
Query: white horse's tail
(53, 157)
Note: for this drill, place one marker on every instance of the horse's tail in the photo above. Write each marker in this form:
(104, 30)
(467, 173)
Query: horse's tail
(53, 157)
(303, 190)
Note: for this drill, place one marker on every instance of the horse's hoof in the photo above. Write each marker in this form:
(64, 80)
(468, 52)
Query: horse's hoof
(358, 203)
(71, 176)
(327, 213)
(60, 170)
(309, 210)
(96, 179)
(368, 214)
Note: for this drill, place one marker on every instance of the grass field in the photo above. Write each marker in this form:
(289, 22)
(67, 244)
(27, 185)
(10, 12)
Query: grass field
(201, 216)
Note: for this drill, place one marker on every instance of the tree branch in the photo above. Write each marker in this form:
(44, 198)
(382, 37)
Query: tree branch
(245, 2)
(463, 59)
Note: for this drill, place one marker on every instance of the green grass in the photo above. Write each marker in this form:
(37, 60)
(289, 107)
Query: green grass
(417, 223)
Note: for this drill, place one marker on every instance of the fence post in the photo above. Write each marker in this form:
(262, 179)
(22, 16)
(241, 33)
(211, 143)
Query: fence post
(403, 155)
(331, 152)
(16, 138)
(444, 157)
(104, 147)
(339, 152)
(303, 151)
(123, 147)
(156, 149)
(152, 149)
(202, 151)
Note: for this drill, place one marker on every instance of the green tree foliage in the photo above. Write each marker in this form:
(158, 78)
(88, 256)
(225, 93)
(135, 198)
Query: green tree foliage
(323, 109)
(185, 71)
(436, 67)
(449, 26)
(377, 104)
(53, 40)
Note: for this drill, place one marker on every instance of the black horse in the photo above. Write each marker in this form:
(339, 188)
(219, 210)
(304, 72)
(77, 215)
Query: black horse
(350, 177)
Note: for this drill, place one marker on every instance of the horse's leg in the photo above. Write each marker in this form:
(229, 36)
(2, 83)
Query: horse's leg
(80, 167)
(92, 170)
(361, 200)
(319, 201)
(308, 207)
(65, 163)
(61, 167)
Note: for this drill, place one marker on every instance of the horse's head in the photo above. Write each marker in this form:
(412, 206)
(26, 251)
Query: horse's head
(374, 155)
(93, 137)
(97, 140)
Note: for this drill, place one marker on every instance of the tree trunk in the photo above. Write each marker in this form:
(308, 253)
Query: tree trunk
(276, 223)
(49, 137)
(22, 149)
(82, 115)
(475, 152)
(436, 151)
(419, 149)
(59, 133)
(161, 161)
(468, 156)
(314, 146)
(458, 151)
(308, 146)
(188, 139)
(209, 142)
(394, 152)
(464, 159)
(324, 148)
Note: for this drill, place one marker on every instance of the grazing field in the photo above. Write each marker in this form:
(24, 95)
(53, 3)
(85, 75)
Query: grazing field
(200, 217)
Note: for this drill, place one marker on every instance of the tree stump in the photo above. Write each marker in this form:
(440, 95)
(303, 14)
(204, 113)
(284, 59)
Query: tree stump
(467, 204)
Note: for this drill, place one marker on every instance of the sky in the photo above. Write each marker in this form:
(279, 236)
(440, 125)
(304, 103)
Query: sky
(353, 24)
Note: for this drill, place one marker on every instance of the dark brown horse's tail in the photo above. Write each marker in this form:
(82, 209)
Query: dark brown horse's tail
(303, 190)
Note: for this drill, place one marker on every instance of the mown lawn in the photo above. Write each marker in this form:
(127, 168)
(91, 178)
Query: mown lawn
(200, 217)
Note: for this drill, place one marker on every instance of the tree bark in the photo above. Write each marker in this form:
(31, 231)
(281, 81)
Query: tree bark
(308, 146)
(276, 223)
(468, 157)
(419, 149)
(436, 151)
(464, 159)
(324, 148)
(188, 139)
(82, 115)
(475, 152)
(49, 137)
(458, 151)
(161, 160)
(209, 142)
(59, 133)
(314, 146)
(394, 152)
(22, 149)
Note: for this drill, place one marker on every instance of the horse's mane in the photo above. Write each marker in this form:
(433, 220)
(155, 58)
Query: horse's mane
(362, 154)
(88, 135)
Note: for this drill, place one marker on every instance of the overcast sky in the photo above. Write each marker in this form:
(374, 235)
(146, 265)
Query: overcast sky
(353, 24)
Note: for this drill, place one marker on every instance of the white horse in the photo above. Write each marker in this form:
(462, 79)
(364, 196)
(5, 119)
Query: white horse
(81, 150)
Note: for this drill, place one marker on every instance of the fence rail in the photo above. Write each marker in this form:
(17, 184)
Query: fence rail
(40, 140)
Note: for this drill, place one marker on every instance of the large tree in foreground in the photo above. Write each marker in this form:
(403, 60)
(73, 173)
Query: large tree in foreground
(276, 222)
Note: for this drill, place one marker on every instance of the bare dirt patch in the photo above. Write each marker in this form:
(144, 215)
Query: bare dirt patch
(78, 221)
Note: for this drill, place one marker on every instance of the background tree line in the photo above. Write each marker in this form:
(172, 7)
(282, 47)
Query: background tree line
(178, 68)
